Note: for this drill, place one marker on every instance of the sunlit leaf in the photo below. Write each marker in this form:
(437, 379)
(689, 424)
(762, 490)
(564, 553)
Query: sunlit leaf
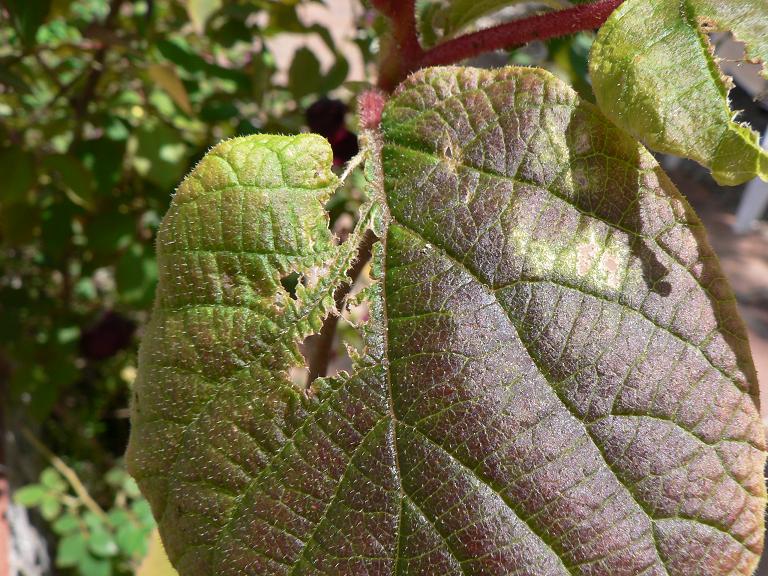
(555, 380)
(200, 11)
(30, 495)
(66, 524)
(655, 75)
(167, 79)
(101, 543)
(160, 154)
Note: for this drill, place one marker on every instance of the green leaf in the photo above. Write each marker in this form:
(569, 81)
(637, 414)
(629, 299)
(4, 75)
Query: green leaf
(160, 155)
(131, 539)
(73, 176)
(27, 16)
(555, 380)
(90, 566)
(166, 78)
(131, 488)
(461, 13)
(101, 543)
(50, 507)
(304, 75)
(94, 522)
(655, 75)
(66, 524)
(118, 517)
(136, 276)
(19, 169)
(50, 478)
(143, 512)
(70, 550)
(29, 496)
(200, 11)
(180, 54)
(103, 158)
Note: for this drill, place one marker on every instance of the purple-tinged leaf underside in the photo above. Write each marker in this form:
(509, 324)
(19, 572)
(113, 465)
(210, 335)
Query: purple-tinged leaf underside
(556, 379)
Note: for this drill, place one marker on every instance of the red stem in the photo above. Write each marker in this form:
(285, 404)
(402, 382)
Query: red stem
(402, 13)
(511, 34)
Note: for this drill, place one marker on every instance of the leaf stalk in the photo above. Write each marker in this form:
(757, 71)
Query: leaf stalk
(404, 57)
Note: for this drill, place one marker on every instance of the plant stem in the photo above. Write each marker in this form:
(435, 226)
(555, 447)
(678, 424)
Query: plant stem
(511, 34)
(68, 473)
(403, 46)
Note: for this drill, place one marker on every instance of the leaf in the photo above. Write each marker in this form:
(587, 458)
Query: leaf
(30, 495)
(136, 276)
(655, 75)
(103, 158)
(200, 11)
(555, 379)
(461, 13)
(27, 16)
(131, 539)
(101, 543)
(454, 16)
(73, 176)
(67, 523)
(90, 566)
(70, 550)
(167, 79)
(50, 507)
(160, 155)
(51, 478)
(304, 75)
(19, 168)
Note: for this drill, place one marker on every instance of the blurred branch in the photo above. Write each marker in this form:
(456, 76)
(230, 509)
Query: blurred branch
(68, 473)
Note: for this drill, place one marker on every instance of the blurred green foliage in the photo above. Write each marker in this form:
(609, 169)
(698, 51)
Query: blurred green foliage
(104, 106)
(92, 541)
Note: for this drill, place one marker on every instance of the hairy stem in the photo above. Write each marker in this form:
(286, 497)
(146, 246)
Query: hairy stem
(509, 35)
(403, 46)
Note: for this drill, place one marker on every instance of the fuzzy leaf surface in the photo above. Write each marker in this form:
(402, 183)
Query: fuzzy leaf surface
(555, 382)
(655, 74)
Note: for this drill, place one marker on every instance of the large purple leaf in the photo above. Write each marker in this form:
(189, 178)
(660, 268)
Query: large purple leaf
(556, 379)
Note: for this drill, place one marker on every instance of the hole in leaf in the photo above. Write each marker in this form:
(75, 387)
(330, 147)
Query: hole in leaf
(731, 58)
(289, 283)
(341, 338)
